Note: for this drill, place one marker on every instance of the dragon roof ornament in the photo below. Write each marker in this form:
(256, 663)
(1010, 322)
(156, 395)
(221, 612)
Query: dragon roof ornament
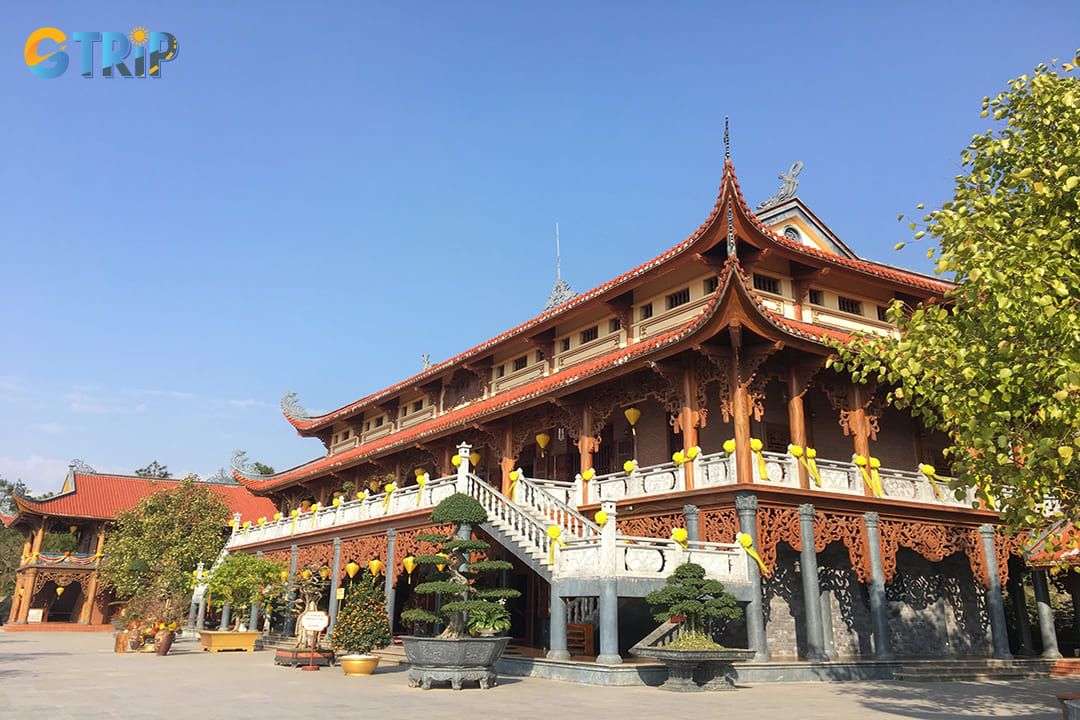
(293, 409)
(81, 468)
(788, 187)
(243, 468)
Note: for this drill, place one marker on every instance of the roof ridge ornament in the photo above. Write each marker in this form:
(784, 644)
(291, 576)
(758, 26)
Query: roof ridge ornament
(561, 292)
(243, 468)
(81, 468)
(293, 409)
(789, 184)
(727, 140)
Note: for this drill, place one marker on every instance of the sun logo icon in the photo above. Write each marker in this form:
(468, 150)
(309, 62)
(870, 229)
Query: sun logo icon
(139, 36)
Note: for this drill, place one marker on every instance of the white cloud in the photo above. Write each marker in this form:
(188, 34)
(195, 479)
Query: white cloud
(248, 403)
(40, 474)
(81, 401)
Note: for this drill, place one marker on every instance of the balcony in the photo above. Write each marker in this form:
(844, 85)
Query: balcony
(70, 560)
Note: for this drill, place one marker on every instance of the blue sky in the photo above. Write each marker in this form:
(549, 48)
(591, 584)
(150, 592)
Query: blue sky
(314, 194)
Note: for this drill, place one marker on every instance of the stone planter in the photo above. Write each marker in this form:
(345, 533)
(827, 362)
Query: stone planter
(164, 640)
(713, 667)
(217, 640)
(358, 664)
(299, 657)
(453, 660)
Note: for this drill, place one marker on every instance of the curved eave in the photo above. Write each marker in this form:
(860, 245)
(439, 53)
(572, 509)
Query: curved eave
(694, 243)
(589, 370)
(40, 508)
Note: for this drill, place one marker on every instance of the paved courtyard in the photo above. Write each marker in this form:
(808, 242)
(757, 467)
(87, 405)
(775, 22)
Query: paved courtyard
(74, 675)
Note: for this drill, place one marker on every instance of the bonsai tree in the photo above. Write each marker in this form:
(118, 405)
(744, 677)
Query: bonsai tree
(362, 625)
(459, 574)
(243, 579)
(309, 583)
(688, 595)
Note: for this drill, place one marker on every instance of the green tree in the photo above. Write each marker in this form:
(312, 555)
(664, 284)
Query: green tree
(263, 469)
(997, 364)
(242, 579)
(11, 541)
(688, 594)
(362, 625)
(154, 470)
(160, 541)
(458, 578)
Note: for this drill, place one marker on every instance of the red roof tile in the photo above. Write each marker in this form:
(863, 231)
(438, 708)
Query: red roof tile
(103, 496)
(1065, 550)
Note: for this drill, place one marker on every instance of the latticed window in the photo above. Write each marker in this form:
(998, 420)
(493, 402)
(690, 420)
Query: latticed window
(883, 314)
(850, 306)
(590, 334)
(646, 312)
(676, 299)
(614, 325)
(711, 284)
(565, 344)
(816, 297)
(521, 362)
(764, 283)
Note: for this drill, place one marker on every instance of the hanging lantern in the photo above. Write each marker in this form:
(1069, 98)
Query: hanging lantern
(351, 569)
(444, 555)
(73, 528)
(542, 439)
(59, 591)
(305, 573)
(324, 573)
(375, 567)
(632, 416)
(474, 459)
(284, 575)
(410, 565)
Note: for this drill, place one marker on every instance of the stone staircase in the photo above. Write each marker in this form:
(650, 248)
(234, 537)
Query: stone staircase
(972, 669)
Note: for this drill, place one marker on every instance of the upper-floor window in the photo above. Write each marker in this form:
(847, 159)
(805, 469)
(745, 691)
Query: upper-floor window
(521, 362)
(418, 406)
(676, 299)
(379, 421)
(500, 371)
(816, 297)
(367, 426)
(539, 356)
(849, 306)
(565, 344)
(614, 325)
(764, 283)
(590, 334)
(646, 312)
(404, 411)
(883, 314)
(711, 284)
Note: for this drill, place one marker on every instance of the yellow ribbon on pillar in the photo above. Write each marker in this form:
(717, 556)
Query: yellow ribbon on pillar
(314, 509)
(295, 514)
(554, 532)
(763, 470)
(983, 485)
(514, 475)
(747, 543)
(247, 524)
(876, 476)
(934, 478)
(862, 463)
(811, 464)
(389, 488)
(802, 455)
(421, 481)
(680, 536)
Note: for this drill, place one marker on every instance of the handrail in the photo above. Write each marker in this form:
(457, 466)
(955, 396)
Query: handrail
(559, 512)
(531, 530)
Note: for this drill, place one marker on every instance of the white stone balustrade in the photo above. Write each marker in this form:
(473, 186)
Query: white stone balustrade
(652, 559)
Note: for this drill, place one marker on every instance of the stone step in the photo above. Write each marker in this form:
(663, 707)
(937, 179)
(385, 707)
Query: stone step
(969, 675)
(972, 669)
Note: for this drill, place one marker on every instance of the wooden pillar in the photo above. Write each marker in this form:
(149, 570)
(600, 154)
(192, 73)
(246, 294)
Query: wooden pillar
(860, 429)
(506, 462)
(689, 421)
(586, 445)
(797, 422)
(28, 594)
(16, 599)
(740, 400)
(39, 535)
(92, 584)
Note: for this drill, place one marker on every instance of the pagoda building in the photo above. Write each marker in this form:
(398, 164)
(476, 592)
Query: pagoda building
(689, 399)
(63, 588)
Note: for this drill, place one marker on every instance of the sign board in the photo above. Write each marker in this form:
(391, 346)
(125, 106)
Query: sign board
(35, 615)
(314, 620)
(341, 593)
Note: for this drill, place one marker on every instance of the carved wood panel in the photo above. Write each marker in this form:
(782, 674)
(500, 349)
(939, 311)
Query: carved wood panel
(657, 526)
(279, 556)
(625, 392)
(321, 554)
(933, 542)
(719, 525)
(532, 422)
(362, 550)
(464, 386)
(62, 578)
(775, 525)
(849, 530)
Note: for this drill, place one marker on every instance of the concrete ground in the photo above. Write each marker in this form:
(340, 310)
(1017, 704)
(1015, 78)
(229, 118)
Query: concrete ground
(55, 676)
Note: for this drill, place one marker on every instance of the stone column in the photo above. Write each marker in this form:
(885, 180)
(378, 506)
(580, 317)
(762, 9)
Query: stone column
(693, 529)
(994, 605)
(815, 633)
(226, 612)
(200, 617)
(253, 613)
(1046, 615)
(557, 632)
(746, 506)
(335, 583)
(879, 608)
(193, 611)
(1015, 586)
(609, 592)
(289, 628)
(388, 586)
(826, 622)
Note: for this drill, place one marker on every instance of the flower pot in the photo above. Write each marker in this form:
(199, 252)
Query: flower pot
(164, 641)
(358, 664)
(713, 665)
(453, 660)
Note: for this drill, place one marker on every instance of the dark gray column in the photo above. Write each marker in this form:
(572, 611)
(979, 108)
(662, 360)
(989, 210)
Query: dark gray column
(226, 613)
(557, 631)
(746, 506)
(815, 633)
(879, 608)
(693, 529)
(289, 629)
(826, 622)
(253, 614)
(994, 605)
(389, 586)
(335, 583)
(200, 619)
(1046, 615)
(193, 612)
(1015, 586)
(609, 623)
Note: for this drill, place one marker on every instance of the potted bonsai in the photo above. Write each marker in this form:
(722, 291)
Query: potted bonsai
(240, 580)
(687, 599)
(361, 626)
(454, 656)
(309, 585)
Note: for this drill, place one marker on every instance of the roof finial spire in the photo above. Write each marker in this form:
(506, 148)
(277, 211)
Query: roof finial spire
(561, 292)
(727, 140)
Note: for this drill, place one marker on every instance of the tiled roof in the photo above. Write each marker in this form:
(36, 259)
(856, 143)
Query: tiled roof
(101, 497)
(1066, 548)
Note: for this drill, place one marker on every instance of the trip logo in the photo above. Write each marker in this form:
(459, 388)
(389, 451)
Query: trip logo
(46, 58)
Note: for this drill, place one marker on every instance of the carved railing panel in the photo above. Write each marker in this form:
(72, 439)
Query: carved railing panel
(849, 530)
(719, 525)
(654, 526)
(933, 542)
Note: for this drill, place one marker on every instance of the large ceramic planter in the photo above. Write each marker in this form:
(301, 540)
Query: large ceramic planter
(453, 660)
(358, 664)
(217, 640)
(712, 666)
(164, 640)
